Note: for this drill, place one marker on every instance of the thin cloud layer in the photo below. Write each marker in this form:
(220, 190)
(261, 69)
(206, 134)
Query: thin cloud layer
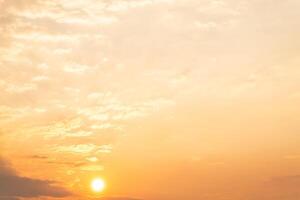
(168, 96)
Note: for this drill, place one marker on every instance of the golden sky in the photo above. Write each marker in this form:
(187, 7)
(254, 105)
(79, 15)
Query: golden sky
(161, 99)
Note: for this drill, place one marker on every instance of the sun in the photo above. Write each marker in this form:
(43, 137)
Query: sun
(98, 185)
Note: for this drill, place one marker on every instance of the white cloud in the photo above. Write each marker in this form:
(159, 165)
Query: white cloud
(81, 148)
(76, 68)
(84, 148)
(92, 168)
(12, 88)
(40, 78)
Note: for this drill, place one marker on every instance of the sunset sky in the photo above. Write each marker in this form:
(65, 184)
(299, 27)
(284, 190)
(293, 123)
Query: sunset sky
(158, 99)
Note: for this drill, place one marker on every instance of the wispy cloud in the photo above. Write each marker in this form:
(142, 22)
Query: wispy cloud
(95, 83)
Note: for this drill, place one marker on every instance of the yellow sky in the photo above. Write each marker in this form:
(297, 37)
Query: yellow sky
(163, 99)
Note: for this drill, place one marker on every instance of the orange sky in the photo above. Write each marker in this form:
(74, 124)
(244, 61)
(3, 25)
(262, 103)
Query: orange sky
(163, 99)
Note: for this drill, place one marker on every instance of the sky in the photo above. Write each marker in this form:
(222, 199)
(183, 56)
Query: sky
(162, 99)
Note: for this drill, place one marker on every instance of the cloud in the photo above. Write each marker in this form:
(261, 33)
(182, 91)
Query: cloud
(84, 148)
(9, 198)
(13, 186)
(78, 74)
(118, 198)
(278, 188)
(38, 157)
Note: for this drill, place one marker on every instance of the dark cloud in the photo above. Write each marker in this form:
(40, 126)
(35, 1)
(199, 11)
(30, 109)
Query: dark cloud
(13, 186)
(286, 181)
(118, 198)
(38, 157)
(9, 198)
(279, 188)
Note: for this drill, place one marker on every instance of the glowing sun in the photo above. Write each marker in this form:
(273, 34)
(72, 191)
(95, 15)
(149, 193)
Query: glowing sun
(98, 185)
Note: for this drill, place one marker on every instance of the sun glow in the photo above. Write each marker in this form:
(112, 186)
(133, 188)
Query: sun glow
(98, 185)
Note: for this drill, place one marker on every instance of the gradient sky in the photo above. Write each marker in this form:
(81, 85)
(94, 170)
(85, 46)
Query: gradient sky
(164, 99)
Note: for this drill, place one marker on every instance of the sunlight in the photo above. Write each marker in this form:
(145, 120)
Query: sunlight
(98, 185)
